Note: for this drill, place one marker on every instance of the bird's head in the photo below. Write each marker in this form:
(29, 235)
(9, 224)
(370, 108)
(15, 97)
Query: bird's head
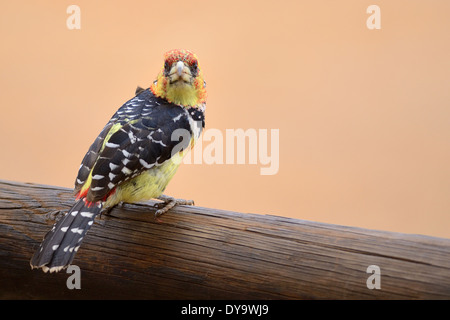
(180, 80)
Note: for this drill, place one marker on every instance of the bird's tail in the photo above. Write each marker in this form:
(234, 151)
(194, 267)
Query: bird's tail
(61, 243)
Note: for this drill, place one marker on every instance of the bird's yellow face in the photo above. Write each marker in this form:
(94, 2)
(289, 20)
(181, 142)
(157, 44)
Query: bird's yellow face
(180, 80)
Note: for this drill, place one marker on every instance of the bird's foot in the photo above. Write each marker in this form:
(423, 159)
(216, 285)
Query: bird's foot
(106, 212)
(54, 215)
(169, 203)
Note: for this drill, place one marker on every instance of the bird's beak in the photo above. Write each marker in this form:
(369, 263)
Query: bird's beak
(180, 73)
(180, 67)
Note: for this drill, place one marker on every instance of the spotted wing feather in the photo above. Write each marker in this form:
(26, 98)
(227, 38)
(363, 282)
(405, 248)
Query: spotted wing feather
(142, 140)
(91, 157)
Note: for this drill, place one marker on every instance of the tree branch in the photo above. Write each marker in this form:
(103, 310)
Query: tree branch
(203, 253)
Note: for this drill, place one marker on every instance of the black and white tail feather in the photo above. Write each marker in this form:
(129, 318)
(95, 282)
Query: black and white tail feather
(61, 243)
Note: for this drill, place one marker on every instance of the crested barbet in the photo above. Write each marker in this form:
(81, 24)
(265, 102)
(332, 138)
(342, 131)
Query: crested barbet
(134, 157)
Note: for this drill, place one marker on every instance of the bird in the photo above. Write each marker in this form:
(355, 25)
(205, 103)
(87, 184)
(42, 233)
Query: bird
(134, 157)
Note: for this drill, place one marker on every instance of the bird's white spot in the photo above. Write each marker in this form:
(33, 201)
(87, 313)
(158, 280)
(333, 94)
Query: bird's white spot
(145, 164)
(73, 213)
(56, 246)
(178, 117)
(112, 145)
(97, 188)
(98, 177)
(113, 166)
(132, 137)
(111, 185)
(126, 170)
(64, 229)
(155, 141)
(87, 214)
(77, 230)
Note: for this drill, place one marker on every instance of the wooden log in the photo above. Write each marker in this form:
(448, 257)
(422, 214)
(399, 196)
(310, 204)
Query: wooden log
(202, 253)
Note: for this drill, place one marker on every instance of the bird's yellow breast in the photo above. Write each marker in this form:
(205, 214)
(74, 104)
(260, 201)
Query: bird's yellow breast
(148, 185)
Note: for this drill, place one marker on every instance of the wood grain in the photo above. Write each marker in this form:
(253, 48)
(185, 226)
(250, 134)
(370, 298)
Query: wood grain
(203, 253)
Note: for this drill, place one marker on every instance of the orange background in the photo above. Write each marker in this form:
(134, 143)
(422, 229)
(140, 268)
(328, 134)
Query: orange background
(364, 115)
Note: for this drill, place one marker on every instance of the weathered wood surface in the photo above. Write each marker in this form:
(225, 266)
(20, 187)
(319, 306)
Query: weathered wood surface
(201, 253)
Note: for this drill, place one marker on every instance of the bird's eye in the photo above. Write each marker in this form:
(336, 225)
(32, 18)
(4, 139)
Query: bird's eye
(195, 65)
(166, 65)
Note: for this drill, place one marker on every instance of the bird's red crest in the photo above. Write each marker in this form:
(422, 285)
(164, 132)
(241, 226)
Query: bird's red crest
(180, 55)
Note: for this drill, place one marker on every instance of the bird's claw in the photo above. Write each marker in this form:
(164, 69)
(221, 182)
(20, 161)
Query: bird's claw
(53, 215)
(168, 203)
